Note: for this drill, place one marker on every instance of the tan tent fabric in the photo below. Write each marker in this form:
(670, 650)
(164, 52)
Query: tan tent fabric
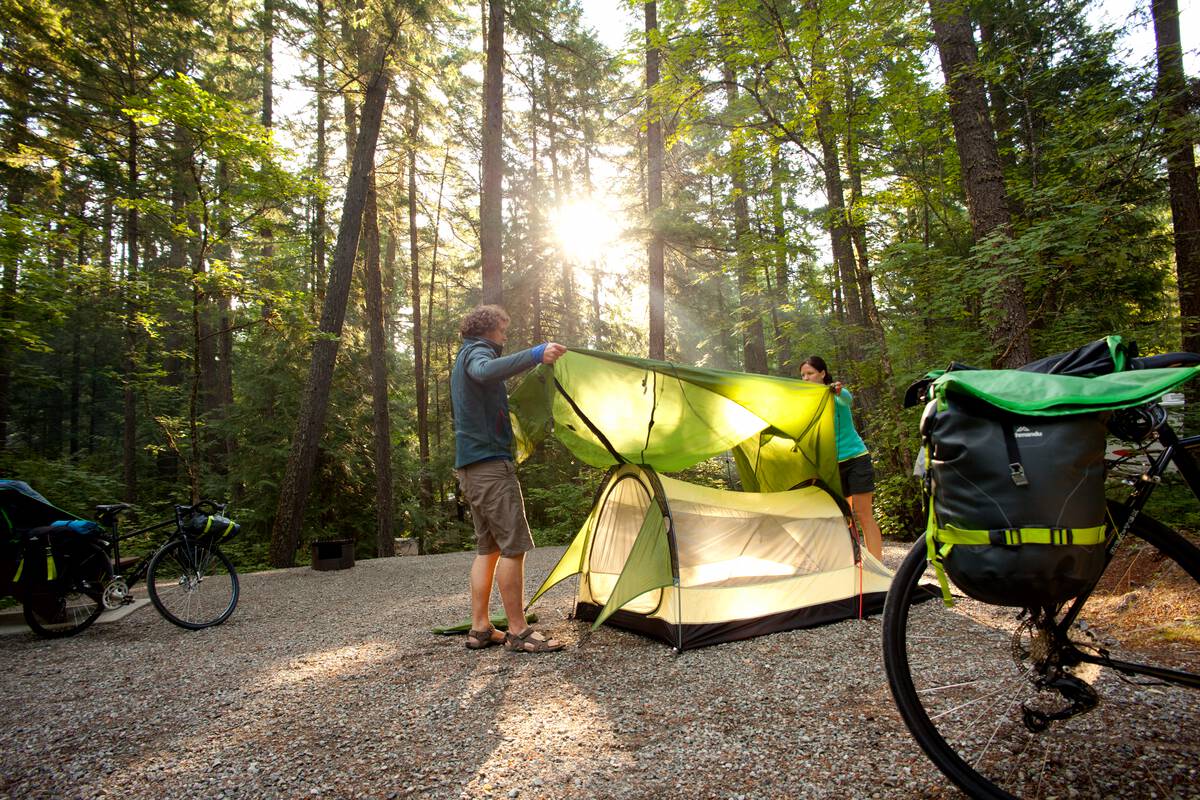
(743, 563)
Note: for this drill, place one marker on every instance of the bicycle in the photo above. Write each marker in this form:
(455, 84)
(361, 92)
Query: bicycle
(1071, 700)
(190, 581)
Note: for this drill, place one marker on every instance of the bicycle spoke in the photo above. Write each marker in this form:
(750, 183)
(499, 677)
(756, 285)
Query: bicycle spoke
(194, 585)
(1015, 724)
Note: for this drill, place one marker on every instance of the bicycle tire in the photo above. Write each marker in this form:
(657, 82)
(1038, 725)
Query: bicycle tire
(979, 739)
(175, 580)
(75, 600)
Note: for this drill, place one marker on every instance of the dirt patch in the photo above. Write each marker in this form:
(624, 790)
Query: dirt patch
(1147, 601)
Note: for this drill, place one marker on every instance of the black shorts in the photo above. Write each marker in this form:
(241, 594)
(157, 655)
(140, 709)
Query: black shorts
(858, 476)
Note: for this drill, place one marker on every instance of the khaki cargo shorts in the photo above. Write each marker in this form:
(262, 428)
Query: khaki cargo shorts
(497, 508)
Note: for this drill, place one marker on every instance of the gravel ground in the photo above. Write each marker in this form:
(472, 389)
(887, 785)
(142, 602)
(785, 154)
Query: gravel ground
(328, 684)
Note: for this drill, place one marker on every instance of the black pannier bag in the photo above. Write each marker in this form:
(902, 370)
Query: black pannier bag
(1017, 509)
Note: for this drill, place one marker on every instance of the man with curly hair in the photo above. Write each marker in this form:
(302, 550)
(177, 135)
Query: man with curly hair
(483, 459)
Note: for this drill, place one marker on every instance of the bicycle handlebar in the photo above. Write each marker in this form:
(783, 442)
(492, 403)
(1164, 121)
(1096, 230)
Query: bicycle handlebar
(1165, 360)
(213, 508)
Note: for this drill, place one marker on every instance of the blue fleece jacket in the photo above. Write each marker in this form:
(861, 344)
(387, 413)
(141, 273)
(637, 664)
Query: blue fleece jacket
(479, 398)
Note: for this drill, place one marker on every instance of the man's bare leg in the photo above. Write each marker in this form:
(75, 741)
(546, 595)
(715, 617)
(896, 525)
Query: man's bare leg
(482, 574)
(510, 578)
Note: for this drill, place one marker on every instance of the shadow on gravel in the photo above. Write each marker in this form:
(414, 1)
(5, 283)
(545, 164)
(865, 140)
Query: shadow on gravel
(330, 685)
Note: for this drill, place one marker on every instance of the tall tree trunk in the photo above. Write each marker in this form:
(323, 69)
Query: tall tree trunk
(433, 260)
(839, 226)
(129, 428)
(381, 420)
(754, 347)
(982, 175)
(76, 389)
(654, 188)
(293, 496)
(268, 76)
(537, 218)
(858, 236)
(567, 281)
(1172, 92)
(491, 197)
(222, 444)
(426, 483)
(781, 308)
(319, 223)
(10, 256)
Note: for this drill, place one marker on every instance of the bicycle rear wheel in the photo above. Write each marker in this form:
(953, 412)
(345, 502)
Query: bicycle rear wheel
(192, 584)
(72, 602)
(966, 681)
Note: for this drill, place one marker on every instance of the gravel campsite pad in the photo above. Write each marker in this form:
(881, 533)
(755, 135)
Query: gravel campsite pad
(329, 684)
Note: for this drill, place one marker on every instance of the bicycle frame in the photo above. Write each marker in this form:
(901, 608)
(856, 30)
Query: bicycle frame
(1175, 450)
(138, 570)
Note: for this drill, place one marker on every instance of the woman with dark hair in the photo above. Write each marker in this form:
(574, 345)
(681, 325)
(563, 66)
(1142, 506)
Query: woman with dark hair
(854, 462)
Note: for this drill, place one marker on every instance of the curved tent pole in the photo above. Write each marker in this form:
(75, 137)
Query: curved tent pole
(546, 586)
(591, 425)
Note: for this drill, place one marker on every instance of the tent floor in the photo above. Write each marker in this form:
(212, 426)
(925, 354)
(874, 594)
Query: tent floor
(692, 636)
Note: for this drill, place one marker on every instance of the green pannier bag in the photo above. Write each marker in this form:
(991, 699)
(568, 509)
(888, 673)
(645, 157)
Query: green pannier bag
(1017, 506)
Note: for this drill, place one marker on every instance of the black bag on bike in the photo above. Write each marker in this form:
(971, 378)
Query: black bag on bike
(1017, 504)
(214, 527)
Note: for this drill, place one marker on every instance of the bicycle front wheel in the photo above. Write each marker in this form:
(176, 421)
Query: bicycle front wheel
(192, 584)
(971, 682)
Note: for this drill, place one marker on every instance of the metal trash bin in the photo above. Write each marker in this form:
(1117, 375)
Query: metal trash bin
(333, 554)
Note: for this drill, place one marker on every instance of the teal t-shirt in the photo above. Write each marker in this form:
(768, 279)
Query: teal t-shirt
(849, 443)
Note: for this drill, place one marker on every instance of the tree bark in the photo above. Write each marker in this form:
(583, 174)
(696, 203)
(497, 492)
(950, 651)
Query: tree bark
(781, 308)
(1172, 92)
(268, 76)
(654, 189)
(425, 493)
(381, 420)
(839, 225)
(129, 428)
(491, 197)
(319, 223)
(293, 496)
(754, 346)
(982, 175)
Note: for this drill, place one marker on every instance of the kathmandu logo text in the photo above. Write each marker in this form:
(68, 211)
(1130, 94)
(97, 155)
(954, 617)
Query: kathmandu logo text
(1024, 433)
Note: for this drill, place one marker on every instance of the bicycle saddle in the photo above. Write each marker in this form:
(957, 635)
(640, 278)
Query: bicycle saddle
(111, 510)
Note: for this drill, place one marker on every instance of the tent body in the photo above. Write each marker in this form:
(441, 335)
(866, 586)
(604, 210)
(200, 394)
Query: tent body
(696, 566)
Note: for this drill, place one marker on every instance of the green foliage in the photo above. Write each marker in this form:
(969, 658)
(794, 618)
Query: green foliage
(76, 488)
(210, 328)
(898, 507)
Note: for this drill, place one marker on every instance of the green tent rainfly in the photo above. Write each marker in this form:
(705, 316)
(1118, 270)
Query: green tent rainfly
(610, 409)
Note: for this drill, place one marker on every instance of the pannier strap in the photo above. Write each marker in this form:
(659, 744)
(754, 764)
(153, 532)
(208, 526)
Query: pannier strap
(1015, 469)
(939, 542)
(1014, 536)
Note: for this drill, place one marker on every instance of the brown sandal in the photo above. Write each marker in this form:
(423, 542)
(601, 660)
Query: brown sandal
(530, 642)
(478, 640)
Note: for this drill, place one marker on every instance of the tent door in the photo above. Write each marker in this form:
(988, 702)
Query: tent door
(621, 517)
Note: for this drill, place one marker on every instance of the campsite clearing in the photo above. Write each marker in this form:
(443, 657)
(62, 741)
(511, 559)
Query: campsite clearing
(328, 684)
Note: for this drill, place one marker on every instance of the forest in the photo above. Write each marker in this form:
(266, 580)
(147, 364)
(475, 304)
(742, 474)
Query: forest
(237, 236)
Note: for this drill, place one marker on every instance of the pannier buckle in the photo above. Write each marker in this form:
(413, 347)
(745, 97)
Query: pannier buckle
(1017, 472)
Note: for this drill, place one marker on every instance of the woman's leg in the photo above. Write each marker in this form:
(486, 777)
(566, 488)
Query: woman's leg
(865, 516)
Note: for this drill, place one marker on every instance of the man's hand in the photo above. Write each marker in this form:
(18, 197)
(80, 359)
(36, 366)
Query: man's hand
(553, 351)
